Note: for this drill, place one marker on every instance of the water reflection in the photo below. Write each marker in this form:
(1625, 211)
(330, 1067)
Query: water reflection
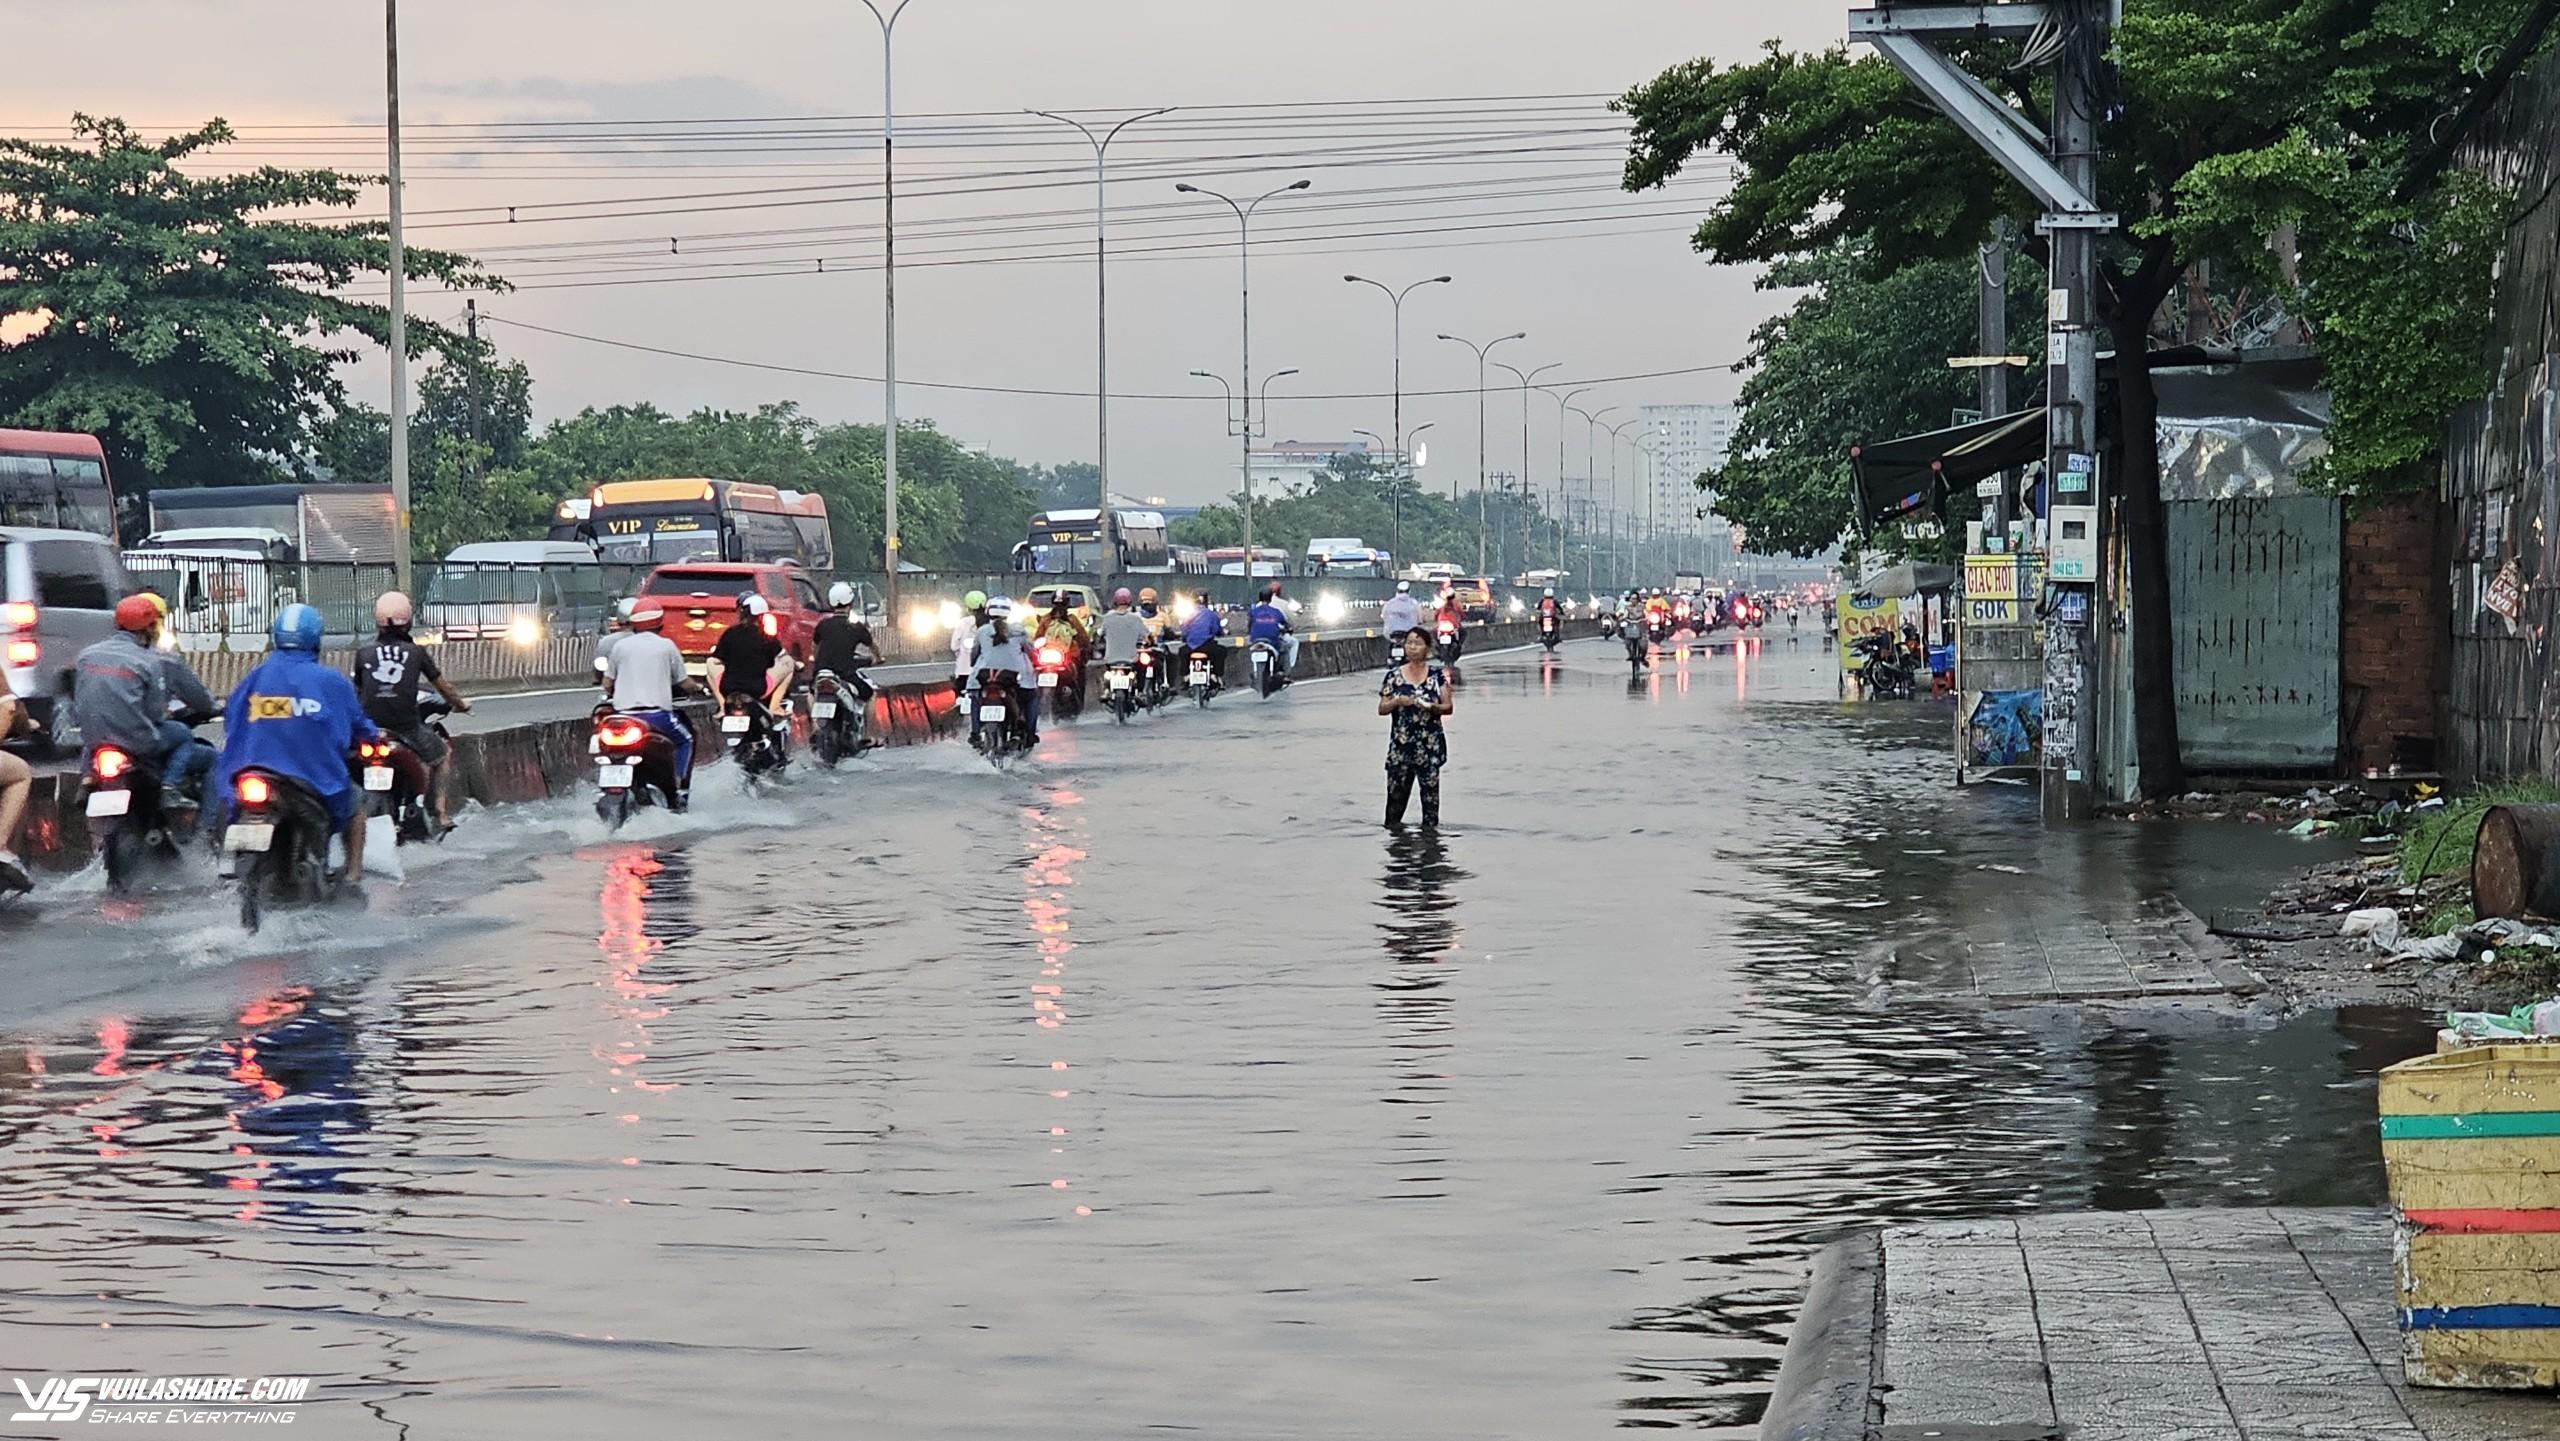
(1049, 829)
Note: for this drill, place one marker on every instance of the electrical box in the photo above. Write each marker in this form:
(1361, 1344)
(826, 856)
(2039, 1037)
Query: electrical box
(2071, 529)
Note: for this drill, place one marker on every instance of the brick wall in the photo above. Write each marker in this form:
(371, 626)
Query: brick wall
(2392, 636)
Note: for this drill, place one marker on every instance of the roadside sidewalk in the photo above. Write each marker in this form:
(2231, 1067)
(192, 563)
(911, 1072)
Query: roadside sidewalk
(2189, 1325)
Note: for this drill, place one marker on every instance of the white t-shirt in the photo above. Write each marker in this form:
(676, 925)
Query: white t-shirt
(645, 669)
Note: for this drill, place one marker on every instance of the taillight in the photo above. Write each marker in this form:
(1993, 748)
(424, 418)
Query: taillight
(18, 615)
(110, 764)
(254, 791)
(622, 733)
(1050, 655)
(24, 652)
(374, 750)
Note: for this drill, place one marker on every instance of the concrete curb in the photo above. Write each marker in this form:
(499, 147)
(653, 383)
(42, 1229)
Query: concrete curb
(1828, 1381)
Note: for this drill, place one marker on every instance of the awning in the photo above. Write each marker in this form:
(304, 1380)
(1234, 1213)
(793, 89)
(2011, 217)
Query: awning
(1910, 578)
(1915, 474)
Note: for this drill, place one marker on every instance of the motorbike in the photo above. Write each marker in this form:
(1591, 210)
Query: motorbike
(838, 719)
(128, 815)
(1550, 631)
(277, 844)
(1636, 647)
(394, 779)
(1265, 660)
(635, 767)
(1002, 730)
(1061, 677)
(1657, 626)
(1885, 673)
(1608, 626)
(1445, 632)
(1121, 681)
(1200, 678)
(753, 734)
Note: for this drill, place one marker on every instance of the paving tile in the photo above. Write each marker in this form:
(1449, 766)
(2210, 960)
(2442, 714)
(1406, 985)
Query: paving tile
(2321, 1413)
(2139, 1401)
(1967, 1387)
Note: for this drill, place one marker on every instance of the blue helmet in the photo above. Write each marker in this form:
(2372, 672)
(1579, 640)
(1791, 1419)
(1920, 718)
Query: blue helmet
(296, 627)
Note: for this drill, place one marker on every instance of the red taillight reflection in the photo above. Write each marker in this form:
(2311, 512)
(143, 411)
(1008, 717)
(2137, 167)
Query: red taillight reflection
(1050, 655)
(254, 791)
(111, 764)
(622, 733)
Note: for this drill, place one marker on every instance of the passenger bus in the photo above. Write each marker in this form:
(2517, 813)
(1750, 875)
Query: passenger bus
(1267, 560)
(1346, 557)
(1069, 542)
(55, 480)
(654, 522)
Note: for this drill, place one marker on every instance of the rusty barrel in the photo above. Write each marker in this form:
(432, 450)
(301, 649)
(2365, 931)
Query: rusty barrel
(2515, 862)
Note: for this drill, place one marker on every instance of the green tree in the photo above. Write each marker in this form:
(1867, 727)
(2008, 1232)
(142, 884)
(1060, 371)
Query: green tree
(2226, 123)
(195, 334)
(473, 396)
(1859, 356)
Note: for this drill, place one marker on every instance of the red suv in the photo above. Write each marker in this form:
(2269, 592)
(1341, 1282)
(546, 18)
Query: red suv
(701, 600)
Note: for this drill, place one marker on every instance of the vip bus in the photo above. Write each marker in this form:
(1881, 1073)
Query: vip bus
(54, 480)
(1069, 542)
(655, 522)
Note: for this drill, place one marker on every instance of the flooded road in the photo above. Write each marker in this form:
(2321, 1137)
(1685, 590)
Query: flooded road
(1151, 1086)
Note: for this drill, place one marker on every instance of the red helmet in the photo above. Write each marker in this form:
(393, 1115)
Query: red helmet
(1120, 596)
(138, 612)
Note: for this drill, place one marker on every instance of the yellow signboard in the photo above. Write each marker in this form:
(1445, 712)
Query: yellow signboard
(1859, 615)
(1998, 589)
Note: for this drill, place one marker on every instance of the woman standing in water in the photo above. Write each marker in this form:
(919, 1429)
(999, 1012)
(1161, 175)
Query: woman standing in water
(1415, 695)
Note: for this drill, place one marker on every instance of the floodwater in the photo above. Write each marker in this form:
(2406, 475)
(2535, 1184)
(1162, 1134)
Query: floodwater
(1149, 1087)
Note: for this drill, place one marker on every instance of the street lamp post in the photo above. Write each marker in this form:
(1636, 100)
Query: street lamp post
(1481, 351)
(889, 287)
(1395, 298)
(1244, 292)
(1564, 402)
(1590, 447)
(1524, 377)
(1617, 577)
(1102, 327)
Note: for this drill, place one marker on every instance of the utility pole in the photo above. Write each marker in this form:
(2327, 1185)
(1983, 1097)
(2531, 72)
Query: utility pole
(1991, 342)
(889, 287)
(1110, 558)
(399, 310)
(2060, 169)
(478, 373)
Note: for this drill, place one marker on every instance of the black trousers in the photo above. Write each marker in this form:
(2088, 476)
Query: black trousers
(1400, 788)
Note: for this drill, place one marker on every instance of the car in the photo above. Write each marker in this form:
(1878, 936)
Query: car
(700, 598)
(1475, 597)
(58, 594)
(1083, 600)
(514, 590)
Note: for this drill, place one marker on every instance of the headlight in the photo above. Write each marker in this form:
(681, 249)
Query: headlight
(1330, 610)
(1516, 606)
(526, 631)
(1184, 609)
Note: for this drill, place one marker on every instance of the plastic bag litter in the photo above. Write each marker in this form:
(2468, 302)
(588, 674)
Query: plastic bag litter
(2310, 828)
(2538, 1018)
(2380, 924)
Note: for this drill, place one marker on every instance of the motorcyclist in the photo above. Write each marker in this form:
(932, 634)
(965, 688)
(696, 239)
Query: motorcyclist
(1267, 624)
(122, 690)
(1401, 613)
(1123, 632)
(1160, 622)
(387, 675)
(1550, 610)
(845, 643)
(615, 629)
(299, 719)
(1000, 649)
(1201, 636)
(1453, 617)
(1063, 628)
(964, 637)
(644, 674)
(749, 663)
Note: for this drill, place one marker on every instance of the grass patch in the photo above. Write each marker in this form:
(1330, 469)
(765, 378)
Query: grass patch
(2438, 842)
(2446, 919)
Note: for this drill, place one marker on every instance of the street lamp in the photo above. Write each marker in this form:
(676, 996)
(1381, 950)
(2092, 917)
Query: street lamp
(1590, 446)
(1102, 328)
(1615, 576)
(1524, 377)
(1244, 292)
(1481, 351)
(889, 285)
(1564, 402)
(1395, 298)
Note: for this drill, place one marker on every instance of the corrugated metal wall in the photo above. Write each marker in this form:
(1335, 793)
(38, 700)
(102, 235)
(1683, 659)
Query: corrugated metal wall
(2253, 585)
(2503, 714)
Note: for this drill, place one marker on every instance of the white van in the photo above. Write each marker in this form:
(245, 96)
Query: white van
(223, 583)
(518, 590)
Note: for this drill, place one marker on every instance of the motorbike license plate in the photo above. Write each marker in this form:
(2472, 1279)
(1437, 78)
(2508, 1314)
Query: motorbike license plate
(822, 709)
(251, 836)
(614, 777)
(1122, 680)
(109, 803)
(991, 713)
(1048, 680)
(377, 778)
(733, 725)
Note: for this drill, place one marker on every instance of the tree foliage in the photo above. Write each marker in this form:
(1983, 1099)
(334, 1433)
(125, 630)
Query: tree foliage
(1859, 356)
(197, 336)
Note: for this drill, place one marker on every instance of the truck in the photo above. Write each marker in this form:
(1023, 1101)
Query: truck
(1687, 581)
(1347, 556)
(322, 524)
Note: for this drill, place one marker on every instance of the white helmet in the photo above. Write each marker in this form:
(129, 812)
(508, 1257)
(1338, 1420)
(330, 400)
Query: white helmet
(623, 608)
(1404, 587)
(998, 605)
(1551, 592)
(752, 604)
(840, 595)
